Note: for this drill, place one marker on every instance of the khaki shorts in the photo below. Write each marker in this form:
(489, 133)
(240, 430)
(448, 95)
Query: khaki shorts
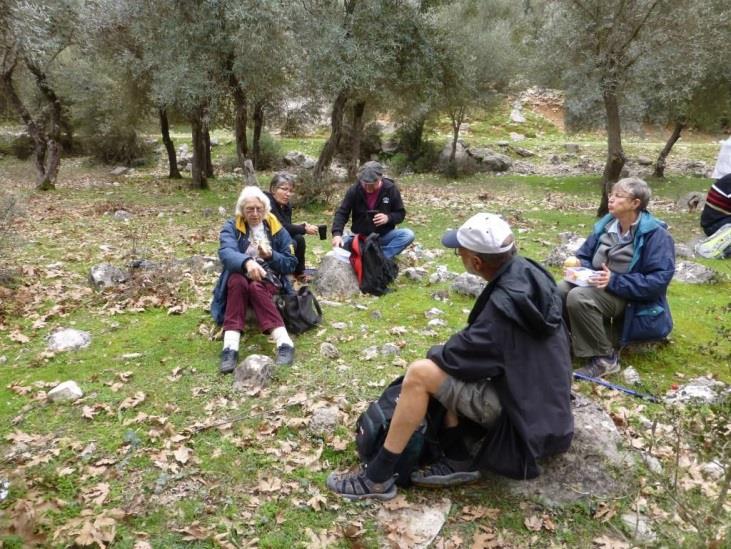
(475, 400)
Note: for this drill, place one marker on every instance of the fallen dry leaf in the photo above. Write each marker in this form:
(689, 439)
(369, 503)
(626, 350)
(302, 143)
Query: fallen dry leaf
(182, 455)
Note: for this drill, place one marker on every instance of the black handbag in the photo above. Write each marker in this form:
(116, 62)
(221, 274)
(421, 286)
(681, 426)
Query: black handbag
(300, 311)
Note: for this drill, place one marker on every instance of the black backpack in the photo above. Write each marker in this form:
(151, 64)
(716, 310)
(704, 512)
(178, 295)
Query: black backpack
(372, 427)
(374, 270)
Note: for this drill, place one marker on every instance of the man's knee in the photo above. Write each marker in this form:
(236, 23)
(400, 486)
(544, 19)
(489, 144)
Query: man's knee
(424, 375)
(407, 235)
(299, 242)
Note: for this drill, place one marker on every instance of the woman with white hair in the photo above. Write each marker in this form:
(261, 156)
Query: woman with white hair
(257, 254)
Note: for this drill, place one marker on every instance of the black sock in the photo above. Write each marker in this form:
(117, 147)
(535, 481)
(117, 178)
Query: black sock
(451, 439)
(381, 467)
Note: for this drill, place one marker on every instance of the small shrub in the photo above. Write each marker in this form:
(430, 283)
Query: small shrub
(117, 146)
(398, 163)
(270, 152)
(309, 191)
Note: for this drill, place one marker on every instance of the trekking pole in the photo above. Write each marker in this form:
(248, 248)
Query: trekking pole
(621, 388)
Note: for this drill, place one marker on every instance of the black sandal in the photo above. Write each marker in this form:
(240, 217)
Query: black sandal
(354, 485)
(445, 473)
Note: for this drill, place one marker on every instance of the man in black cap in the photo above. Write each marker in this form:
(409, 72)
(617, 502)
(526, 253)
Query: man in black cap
(505, 377)
(375, 205)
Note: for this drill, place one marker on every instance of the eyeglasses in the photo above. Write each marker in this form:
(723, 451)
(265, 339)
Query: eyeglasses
(620, 195)
(253, 209)
(456, 252)
(288, 190)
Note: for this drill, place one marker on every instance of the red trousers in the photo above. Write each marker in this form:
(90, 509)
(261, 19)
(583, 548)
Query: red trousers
(242, 293)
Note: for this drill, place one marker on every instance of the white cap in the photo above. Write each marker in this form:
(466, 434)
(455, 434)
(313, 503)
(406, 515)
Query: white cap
(482, 233)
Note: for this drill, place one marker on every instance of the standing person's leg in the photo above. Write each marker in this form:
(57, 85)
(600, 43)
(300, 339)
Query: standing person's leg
(299, 253)
(237, 290)
(394, 242)
(588, 308)
(270, 321)
(423, 378)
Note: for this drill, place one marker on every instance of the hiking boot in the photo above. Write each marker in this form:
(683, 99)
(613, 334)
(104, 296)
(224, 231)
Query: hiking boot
(355, 485)
(715, 246)
(285, 355)
(229, 360)
(445, 473)
(600, 366)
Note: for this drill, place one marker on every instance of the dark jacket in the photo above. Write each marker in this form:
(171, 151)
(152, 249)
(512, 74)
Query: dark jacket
(283, 212)
(644, 286)
(717, 211)
(234, 241)
(354, 205)
(516, 337)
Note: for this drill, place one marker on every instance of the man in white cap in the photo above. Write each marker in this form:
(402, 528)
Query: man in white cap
(506, 376)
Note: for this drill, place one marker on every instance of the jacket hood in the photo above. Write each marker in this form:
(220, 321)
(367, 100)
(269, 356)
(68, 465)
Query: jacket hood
(274, 225)
(528, 297)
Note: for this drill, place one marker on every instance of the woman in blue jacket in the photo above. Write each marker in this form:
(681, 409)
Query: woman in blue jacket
(626, 299)
(257, 254)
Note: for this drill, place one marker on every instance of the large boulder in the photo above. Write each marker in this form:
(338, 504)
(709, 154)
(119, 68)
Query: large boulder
(693, 273)
(462, 161)
(596, 465)
(491, 161)
(106, 275)
(335, 277)
(68, 339)
(570, 244)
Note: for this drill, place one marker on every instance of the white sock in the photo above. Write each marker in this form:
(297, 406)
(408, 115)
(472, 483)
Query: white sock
(281, 337)
(231, 339)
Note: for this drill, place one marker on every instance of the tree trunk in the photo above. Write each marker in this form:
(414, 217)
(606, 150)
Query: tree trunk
(207, 149)
(174, 173)
(660, 163)
(199, 153)
(256, 138)
(240, 121)
(615, 153)
(355, 138)
(336, 129)
(457, 117)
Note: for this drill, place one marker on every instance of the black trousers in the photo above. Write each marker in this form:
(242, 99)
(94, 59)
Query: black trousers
(299, 253)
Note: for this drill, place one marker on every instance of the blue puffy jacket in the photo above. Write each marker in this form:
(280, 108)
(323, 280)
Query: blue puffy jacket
(234, 241)
(644, 285)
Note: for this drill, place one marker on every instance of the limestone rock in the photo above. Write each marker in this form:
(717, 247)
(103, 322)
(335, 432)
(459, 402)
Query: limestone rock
(595, 466)
(413, 525)
(335, 277)
(631, 376)
(638, 527)
(328, 350)
(436, 323)
(644, 161)
(691, 202)
(569, 245)
(119, 170)
(433, 312)
(324, 420)
(106, 275)
(490, 160)
(571, 148)
(414, 273)
(68, 339)
(684, 250)
(122, 215)
(693, 273)
(390, 349)
(369, 353)
(294, 158)
(469, 284)
(65, 392)
(700, 390)
(254, 372)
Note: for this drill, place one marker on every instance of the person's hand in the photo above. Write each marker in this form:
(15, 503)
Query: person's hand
(601, 278)
(255, 271)
(310, 229)
(380, 219)
(265, 251)
(337, 241)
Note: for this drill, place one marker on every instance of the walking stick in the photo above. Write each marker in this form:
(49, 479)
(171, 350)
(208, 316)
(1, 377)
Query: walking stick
(621, 388)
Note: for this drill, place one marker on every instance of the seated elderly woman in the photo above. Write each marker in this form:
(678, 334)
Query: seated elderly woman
(256, 253)
(624, 300)
(281, 188)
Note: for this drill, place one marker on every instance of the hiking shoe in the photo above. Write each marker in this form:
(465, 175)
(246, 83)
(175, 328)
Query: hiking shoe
(285, 355)
(229, 360)
(600, 366)
(715, 246)
(355, 485)
(445, 473)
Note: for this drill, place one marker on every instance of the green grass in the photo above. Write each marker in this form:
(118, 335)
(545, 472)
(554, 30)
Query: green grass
(222, 486)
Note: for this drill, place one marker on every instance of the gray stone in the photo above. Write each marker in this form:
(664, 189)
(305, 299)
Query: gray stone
(122, 215)
(413, 525)
(469, 284)
(525, 153)
(462, 160)
(713, 470)
(254, 372)
(517, 136)
(222, 211)
(442, 273)
(309, 163)
(68, 391)
(294, 158)
(691, 202)
(693, 273)
(106, 275)
(339, 325)
(335, 277)
(631, 376)
(653, 464)
(569, 245)
(324, 420)
(644, 161)
(571, 148)
(390, 349)
(595, 466)
(436, 323)
(433, 312)
(638, 527)
(68, 339)
(249, 174)
(119, 170)
(414, 273)
(684, 250)
(516, 114)
(328, 350)
(369, 353)
(555, 159)
(702, 390)
(490, 160)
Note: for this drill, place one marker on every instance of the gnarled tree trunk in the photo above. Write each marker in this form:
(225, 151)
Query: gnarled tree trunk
(240, 121)
(355, 138)
(256, 137)
(207, 149)
(336, 130)
(660, 162)
(199, 152)
(174, 173)
(615, 153)
(457, 118)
